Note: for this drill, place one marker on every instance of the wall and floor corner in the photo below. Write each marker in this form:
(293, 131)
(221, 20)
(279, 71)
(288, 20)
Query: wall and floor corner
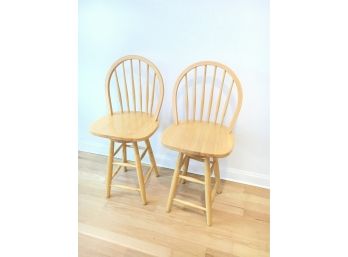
(174, 35)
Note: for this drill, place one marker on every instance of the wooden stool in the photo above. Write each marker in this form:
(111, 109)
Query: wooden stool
(127, 125)
(203, 137)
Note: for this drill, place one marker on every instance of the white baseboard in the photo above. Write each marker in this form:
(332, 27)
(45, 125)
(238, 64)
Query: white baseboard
(227, 173)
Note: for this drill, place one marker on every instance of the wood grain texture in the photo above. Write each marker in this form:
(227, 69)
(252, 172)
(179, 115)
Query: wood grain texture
(91, 247)
(199, 138)
(126, 126)
(120, 226)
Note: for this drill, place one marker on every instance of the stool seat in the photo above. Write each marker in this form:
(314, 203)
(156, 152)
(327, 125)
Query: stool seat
(126, 126)
(199, 138)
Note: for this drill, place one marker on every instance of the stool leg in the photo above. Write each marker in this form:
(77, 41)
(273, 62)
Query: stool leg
(217, 176)
(207, 191)
(184, 172)
(174, 182)
(124, 155)
(109, 168)
(139, 172)
(152, 158)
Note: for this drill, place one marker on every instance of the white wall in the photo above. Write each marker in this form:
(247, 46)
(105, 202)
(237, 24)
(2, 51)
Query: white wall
(174, 34)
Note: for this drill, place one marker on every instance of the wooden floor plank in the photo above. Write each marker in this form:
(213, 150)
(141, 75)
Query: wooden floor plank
(124, 241)
(90, 247)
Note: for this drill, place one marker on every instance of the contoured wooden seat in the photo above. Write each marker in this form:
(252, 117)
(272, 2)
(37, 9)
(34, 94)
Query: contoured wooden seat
(204, 131)
(126, 126)
(199, 139)
(134, 104)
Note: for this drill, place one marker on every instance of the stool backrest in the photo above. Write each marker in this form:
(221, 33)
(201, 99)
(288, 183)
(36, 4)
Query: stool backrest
(138, 86)
(206, 89)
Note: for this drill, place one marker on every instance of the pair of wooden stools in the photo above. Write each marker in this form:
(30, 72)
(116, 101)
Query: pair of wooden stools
(201, 134)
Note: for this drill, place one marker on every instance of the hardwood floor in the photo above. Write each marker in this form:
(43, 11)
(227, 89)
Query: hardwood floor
(123, 226)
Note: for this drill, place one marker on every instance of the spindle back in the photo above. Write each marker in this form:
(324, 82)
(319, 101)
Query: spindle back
(138, 82)
(204, 103)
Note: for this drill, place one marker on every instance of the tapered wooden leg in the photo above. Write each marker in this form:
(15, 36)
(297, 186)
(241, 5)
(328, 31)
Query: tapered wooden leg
(207, 191)
(184, 172)
(152, 158)
(174, 184)
(109, 168)
(139, 172)
(124, 155)
(217, 176)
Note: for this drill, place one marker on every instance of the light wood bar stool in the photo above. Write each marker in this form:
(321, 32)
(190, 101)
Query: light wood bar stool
(204, 132)
(139, 99)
